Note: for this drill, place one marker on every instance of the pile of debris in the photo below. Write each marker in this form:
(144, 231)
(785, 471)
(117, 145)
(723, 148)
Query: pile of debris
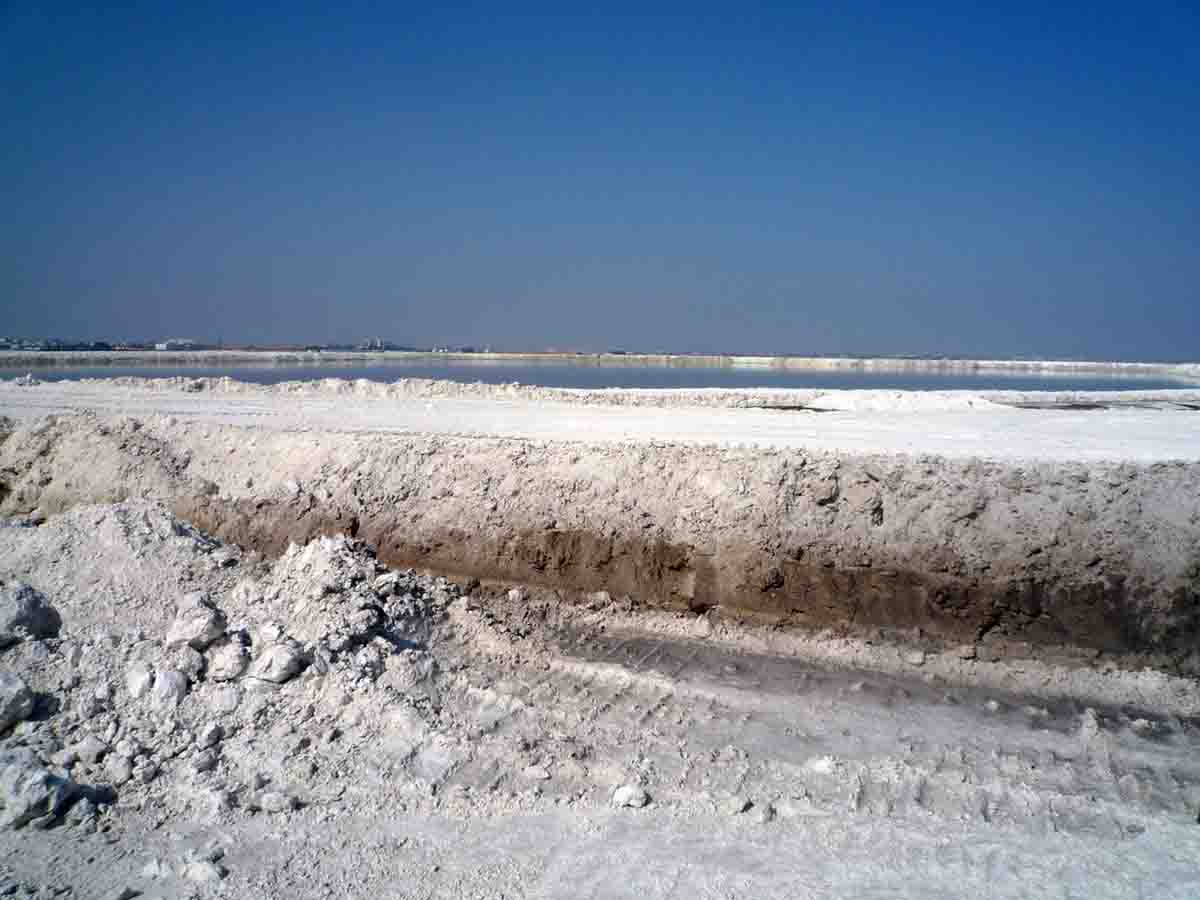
(250, 701)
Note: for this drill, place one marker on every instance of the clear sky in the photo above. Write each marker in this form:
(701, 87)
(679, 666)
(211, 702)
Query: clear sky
(733, 177)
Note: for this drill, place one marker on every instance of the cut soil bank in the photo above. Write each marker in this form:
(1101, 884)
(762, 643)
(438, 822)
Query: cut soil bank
(1067, 555)
(182, 718)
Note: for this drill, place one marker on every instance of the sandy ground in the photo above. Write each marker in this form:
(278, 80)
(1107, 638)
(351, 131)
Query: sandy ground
(493, 774)
(1062, 553)
(441, 740)
(950, 424)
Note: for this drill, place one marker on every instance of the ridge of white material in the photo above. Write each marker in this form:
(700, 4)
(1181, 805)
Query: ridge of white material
(941, 423)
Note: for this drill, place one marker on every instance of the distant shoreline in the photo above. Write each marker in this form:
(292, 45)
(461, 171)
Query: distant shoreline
(12, 359)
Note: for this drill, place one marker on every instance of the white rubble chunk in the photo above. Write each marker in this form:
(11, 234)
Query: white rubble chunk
(118, 769)
(128, 747)
(139, 678)
(735, 806)
(371, 660)
(24, 613)
(190, 662)
(29, 792)
(224, 699)
(16, 700)
(198, 623)
(386, 585)
(630, 795)
(276, 802)
(90, 749)
(169, 688)
(278, 663)
(246, 593)
(217, 800)
(210, 735)
(915, 657)
(145, 770)
(227, 660)
(64, 758)
(202, 870)
(763, 813)
(156, 870)
(205, 761)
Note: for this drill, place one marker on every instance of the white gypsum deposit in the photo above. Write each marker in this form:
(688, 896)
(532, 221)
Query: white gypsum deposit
(652, 664)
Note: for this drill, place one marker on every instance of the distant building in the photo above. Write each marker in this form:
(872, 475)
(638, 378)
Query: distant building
(176, 344)
(45, 344)
(374, 345)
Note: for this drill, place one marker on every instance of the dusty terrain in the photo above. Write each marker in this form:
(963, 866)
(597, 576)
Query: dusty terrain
(687, 649)
(1076, 533)
(1129, 426)
(208, 723)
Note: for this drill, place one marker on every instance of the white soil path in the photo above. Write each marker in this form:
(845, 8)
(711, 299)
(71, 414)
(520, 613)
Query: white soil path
(940, 423)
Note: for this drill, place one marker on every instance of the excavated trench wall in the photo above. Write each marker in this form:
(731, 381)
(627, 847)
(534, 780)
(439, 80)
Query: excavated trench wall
(1098, 557)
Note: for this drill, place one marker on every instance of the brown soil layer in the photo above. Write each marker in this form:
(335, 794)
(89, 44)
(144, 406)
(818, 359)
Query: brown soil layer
(1103, 557)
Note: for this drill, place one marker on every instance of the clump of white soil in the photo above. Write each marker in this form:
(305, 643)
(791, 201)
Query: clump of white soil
(180, 718)
(172, 686)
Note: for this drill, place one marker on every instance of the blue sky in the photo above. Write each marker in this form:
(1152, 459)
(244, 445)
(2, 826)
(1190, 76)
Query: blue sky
(850, 179)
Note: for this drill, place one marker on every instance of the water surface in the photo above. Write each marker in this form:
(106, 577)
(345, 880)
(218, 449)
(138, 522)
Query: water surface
(592, 374)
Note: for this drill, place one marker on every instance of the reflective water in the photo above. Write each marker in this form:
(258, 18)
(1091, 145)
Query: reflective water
(601, 374)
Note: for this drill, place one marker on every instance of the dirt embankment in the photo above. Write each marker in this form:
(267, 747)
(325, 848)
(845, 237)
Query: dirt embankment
(183, 719)
(797, 399)
(1085, 556)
